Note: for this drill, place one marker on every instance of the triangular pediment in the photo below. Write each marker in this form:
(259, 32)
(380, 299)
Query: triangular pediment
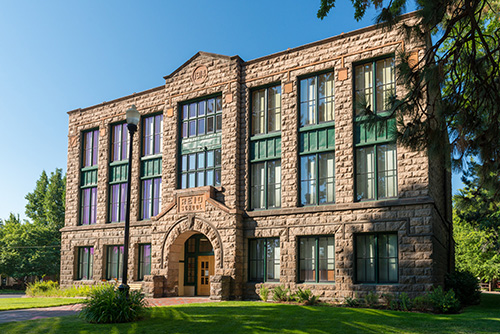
(199, 58)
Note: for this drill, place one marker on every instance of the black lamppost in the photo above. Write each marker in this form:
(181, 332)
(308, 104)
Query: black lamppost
(133, 118)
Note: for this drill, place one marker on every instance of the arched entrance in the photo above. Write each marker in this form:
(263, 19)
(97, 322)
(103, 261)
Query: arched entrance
(198, 266)
(179, 259)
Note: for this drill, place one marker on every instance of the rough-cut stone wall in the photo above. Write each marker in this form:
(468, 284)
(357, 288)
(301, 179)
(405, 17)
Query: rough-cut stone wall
(420, 215)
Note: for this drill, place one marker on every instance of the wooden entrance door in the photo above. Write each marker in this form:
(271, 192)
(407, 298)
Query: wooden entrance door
(205, 269)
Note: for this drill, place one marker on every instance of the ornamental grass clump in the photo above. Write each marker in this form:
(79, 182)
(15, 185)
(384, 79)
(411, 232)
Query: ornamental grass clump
(109, 305)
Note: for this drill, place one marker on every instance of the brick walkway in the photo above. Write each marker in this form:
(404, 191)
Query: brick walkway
(61, 311)
(177, 301)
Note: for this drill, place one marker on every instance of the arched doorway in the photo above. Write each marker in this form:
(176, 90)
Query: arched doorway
(199, 263)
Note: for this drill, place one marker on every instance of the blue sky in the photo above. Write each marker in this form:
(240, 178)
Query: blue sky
(57, 56)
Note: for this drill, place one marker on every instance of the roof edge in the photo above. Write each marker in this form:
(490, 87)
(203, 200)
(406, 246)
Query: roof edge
(118, 99)
(329, 39)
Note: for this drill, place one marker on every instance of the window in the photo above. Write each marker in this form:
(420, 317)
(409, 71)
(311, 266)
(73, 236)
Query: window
(316, 259)
(151, 166)
(377, 258)
(265, 143)
(118, 173)
(264, 260)
(317, 178)
(144, 261)
(376, 172)
(201, 125)
(317, 140)
(88, 176)
(85, 263)
(317, 101)
(202, 117)
(367, 95)
(201, 169)
(266, 110)
(114, 262)
(266, 184)
(376, 156)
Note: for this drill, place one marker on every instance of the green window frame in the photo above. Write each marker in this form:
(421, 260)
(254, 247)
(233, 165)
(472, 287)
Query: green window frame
(118, 173)
(376, 172)
(265, 148)
(264, 260)
(380, 71)
(144, 267)
(316, 259)
(85, 264)
(200, 127)
(376, 258)
(201, 169)
(266, 110)
(375, 147)
(317, 139)
(151, 166)
(317, 178)
(114, 262)
(88, 177)
(317, 99)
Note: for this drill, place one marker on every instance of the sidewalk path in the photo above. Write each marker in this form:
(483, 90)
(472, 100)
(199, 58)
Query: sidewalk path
(61, 311)
(39, 313)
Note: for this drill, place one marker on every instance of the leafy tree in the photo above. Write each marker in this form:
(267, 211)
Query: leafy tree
(453, 92)
(477, 228)
(33, 248)
(476, 251)
(46, 204)
(34, 208)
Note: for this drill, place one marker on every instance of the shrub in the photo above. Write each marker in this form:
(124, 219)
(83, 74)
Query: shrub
(280, 294)
(306, 297)
(351, 301)
(405, 302)
(371, 299)
(264, 293)
(109, 305)
(52, 289)
(391, 301)
(465, 285)
(444, 302)
(422, 303)
(41, 288)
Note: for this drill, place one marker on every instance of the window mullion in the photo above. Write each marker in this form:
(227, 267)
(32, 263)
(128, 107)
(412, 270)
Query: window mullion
(374, 87)
(316, 262)
(316, 104)
(317, 175)
(265, 260)
(375, 171)
(266, 110)
(376, 257)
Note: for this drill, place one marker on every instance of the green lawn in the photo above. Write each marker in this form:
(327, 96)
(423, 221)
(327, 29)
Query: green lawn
(258, 317)
(19, 303)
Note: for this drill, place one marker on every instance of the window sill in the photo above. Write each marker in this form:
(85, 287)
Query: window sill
(342, 206)
(309, 127)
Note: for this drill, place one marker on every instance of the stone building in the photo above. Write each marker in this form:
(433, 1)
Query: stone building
(260, 172)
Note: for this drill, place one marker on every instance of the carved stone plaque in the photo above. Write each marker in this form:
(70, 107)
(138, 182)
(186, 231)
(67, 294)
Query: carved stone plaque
(200, 74)
(195, 203)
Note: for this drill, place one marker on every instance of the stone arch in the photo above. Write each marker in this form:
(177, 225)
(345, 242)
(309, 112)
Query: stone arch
(172, 248)
(185, 227)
